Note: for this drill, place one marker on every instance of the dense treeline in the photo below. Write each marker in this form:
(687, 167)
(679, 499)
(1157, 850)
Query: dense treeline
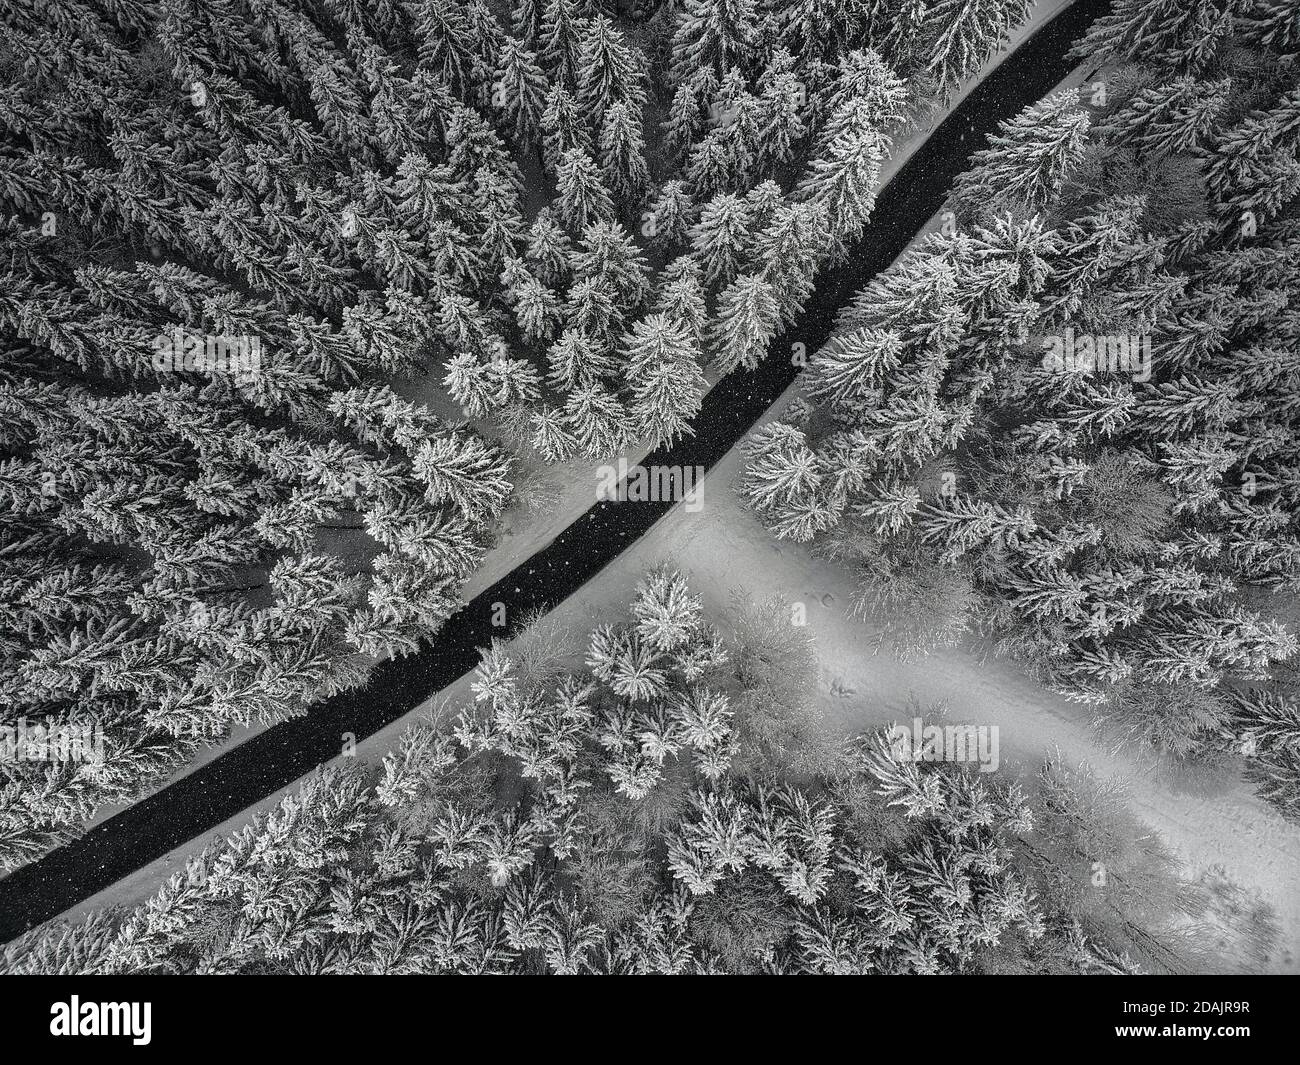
(229, 226)
(667, 805)
(1066, 422)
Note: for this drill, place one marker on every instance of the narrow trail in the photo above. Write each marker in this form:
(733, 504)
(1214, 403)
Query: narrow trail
(245, 776)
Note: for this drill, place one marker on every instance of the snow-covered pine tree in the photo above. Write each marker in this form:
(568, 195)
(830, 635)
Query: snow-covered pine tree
(610, 71)
(1027, 162)
(622, 156)
(720, 35)
(721, 238)
(842, 182)
(964, 34)
(744, 325)
(520, 92)
(563, 128)
(581, 197)
(664, 376)
(669, 218)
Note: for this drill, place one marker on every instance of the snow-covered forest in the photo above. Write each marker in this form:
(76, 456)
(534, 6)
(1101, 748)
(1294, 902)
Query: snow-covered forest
(563, 216)
(294, 293)
(641, 815)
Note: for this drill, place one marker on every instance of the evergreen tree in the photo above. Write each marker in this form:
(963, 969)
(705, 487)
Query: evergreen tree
(843, 183)
(721, 237)
(560, 41)
(670, 214)
(595, 419)
(520, 91)
(622, 156)
(851, 371)
(681, 296)
(549, 249)
(562, 128)
(964, 35)
(781, 113)
(782, 483)
(607, 255)
(715, 34)
(609, 72)
(747, 319)
(1167, 118)
(1028, 161)
(664, 375)
(581, 196)
(576, 360)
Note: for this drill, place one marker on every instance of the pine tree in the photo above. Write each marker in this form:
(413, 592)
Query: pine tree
(550, 438)
(562, 128)
(782, 483)
(851, 371)
(843, 183)
(447, 45)
(681, 296)
(527, 21)
(581, 196)
(963, 35)
(664, 376)
(721, 237)
(788, 252)
(606, 254)
(903, 43)
(1028, 161)
(520, 91)
(536, 307)
(577, 360)
(471, 383)
(596, 420)
(1168, 118)
(1161, 32)
(560, 41)
(709, 171)
(863, 77)
(609, 72)
(593, 309)
(687, 113)
(719, 35)
(666, 614)
(466, 472)
(549, 249)
(622, 156)
(747, 319)
(781, 113)
(670, 215)
(1271, 24)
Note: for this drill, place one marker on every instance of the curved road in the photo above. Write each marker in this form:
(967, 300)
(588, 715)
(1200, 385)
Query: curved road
(261, 765)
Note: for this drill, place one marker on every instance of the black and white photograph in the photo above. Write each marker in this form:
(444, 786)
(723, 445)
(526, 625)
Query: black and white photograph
(649, 487)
